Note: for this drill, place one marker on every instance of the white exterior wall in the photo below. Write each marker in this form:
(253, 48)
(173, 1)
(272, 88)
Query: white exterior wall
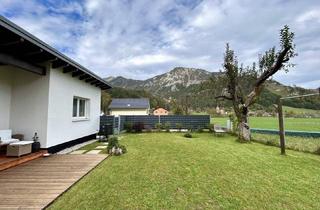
(61, 126)
(5, 97)
(117, 112)
(29, 103)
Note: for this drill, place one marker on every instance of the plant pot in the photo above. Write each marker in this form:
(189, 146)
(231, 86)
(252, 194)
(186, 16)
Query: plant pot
(35, 146)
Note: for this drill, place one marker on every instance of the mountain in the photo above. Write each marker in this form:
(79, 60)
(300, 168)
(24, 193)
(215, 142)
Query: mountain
(124, 82)
(177, 79)
(181, 82)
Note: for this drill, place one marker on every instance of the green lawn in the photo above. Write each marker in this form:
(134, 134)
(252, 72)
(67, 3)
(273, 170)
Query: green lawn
(300, 110)
(303, 144)
(299, 124)
(168, 171)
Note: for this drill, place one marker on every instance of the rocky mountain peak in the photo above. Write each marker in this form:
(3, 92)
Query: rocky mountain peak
(171, 81)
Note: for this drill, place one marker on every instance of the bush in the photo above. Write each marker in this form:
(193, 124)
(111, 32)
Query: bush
(148, 128)
(200, 130)
(128, 126)
(138, 127)
(112, 142)
(158, 126)
(123, 148)
(179, 126)
(114, 148)
(190, 129)
(166, 126)
(188, 135)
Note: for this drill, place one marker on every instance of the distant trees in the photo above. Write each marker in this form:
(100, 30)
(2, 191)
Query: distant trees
(243, 85)
(105, 101)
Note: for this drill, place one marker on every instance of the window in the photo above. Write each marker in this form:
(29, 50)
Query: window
(80, 108)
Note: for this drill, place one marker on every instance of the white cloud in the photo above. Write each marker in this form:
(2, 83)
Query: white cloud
(312, 15)
(209, 14)
(147, 60)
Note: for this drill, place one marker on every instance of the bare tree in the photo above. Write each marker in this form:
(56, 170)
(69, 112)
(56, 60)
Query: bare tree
(244, 84)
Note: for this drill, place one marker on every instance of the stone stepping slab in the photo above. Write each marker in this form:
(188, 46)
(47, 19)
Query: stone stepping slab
(101, 147)
(93, 152)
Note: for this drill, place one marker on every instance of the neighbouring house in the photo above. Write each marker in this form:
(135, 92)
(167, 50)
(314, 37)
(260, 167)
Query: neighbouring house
(160, 111)
(44, 91)
(129, 106)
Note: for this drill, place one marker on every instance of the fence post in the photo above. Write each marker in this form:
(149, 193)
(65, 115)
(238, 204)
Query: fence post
(119, 124)
(281, 128)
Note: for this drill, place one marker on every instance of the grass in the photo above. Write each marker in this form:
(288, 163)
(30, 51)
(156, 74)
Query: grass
(300, 110)
(302, 144)
(168, 171)
(299, 124)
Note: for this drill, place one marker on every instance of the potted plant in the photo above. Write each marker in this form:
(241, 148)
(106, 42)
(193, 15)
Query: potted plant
(36, 143)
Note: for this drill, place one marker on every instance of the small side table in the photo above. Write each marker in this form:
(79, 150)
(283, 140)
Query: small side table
(19, 148)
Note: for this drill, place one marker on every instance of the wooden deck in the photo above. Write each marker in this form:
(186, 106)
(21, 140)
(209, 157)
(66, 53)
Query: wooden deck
(8, 162)
(35, 184)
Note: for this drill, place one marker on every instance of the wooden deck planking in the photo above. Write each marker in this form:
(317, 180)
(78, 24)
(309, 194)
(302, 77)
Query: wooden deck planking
(8, 162)
(35, 184)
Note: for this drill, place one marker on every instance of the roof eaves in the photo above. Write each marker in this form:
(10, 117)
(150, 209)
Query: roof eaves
(28, 36)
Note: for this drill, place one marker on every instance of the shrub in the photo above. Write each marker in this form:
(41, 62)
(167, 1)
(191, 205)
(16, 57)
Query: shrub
(114, 148)
(200, 130)
(179, 126)
(188, 135)
(112, 142)
(148, 128)
(123, 148)
(166, 126)
(138, 127)
(158, 126)
(128, 126)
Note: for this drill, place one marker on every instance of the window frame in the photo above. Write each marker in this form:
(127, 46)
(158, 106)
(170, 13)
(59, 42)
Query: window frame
(86, 109)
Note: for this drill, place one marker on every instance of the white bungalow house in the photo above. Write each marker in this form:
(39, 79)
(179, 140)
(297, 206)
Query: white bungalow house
(43, 91)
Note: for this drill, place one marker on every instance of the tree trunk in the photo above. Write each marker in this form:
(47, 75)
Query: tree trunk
(244, 128)
(244, 132)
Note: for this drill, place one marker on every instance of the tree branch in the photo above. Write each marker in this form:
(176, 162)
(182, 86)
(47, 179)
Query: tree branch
(274, 68)
(265, 75)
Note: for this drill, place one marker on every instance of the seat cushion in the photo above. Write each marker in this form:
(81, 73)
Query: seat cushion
(8, 141)
(21, 143)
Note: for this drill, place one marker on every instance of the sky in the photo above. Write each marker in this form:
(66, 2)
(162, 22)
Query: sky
(140, 39)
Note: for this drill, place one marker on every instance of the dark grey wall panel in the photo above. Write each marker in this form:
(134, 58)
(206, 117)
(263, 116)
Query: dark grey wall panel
(149, 121)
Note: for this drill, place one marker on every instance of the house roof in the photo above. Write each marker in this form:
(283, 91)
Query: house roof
(132, 103)
(20, 48)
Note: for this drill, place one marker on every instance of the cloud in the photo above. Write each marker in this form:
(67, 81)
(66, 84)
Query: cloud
(143, 38)
(312, 15)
